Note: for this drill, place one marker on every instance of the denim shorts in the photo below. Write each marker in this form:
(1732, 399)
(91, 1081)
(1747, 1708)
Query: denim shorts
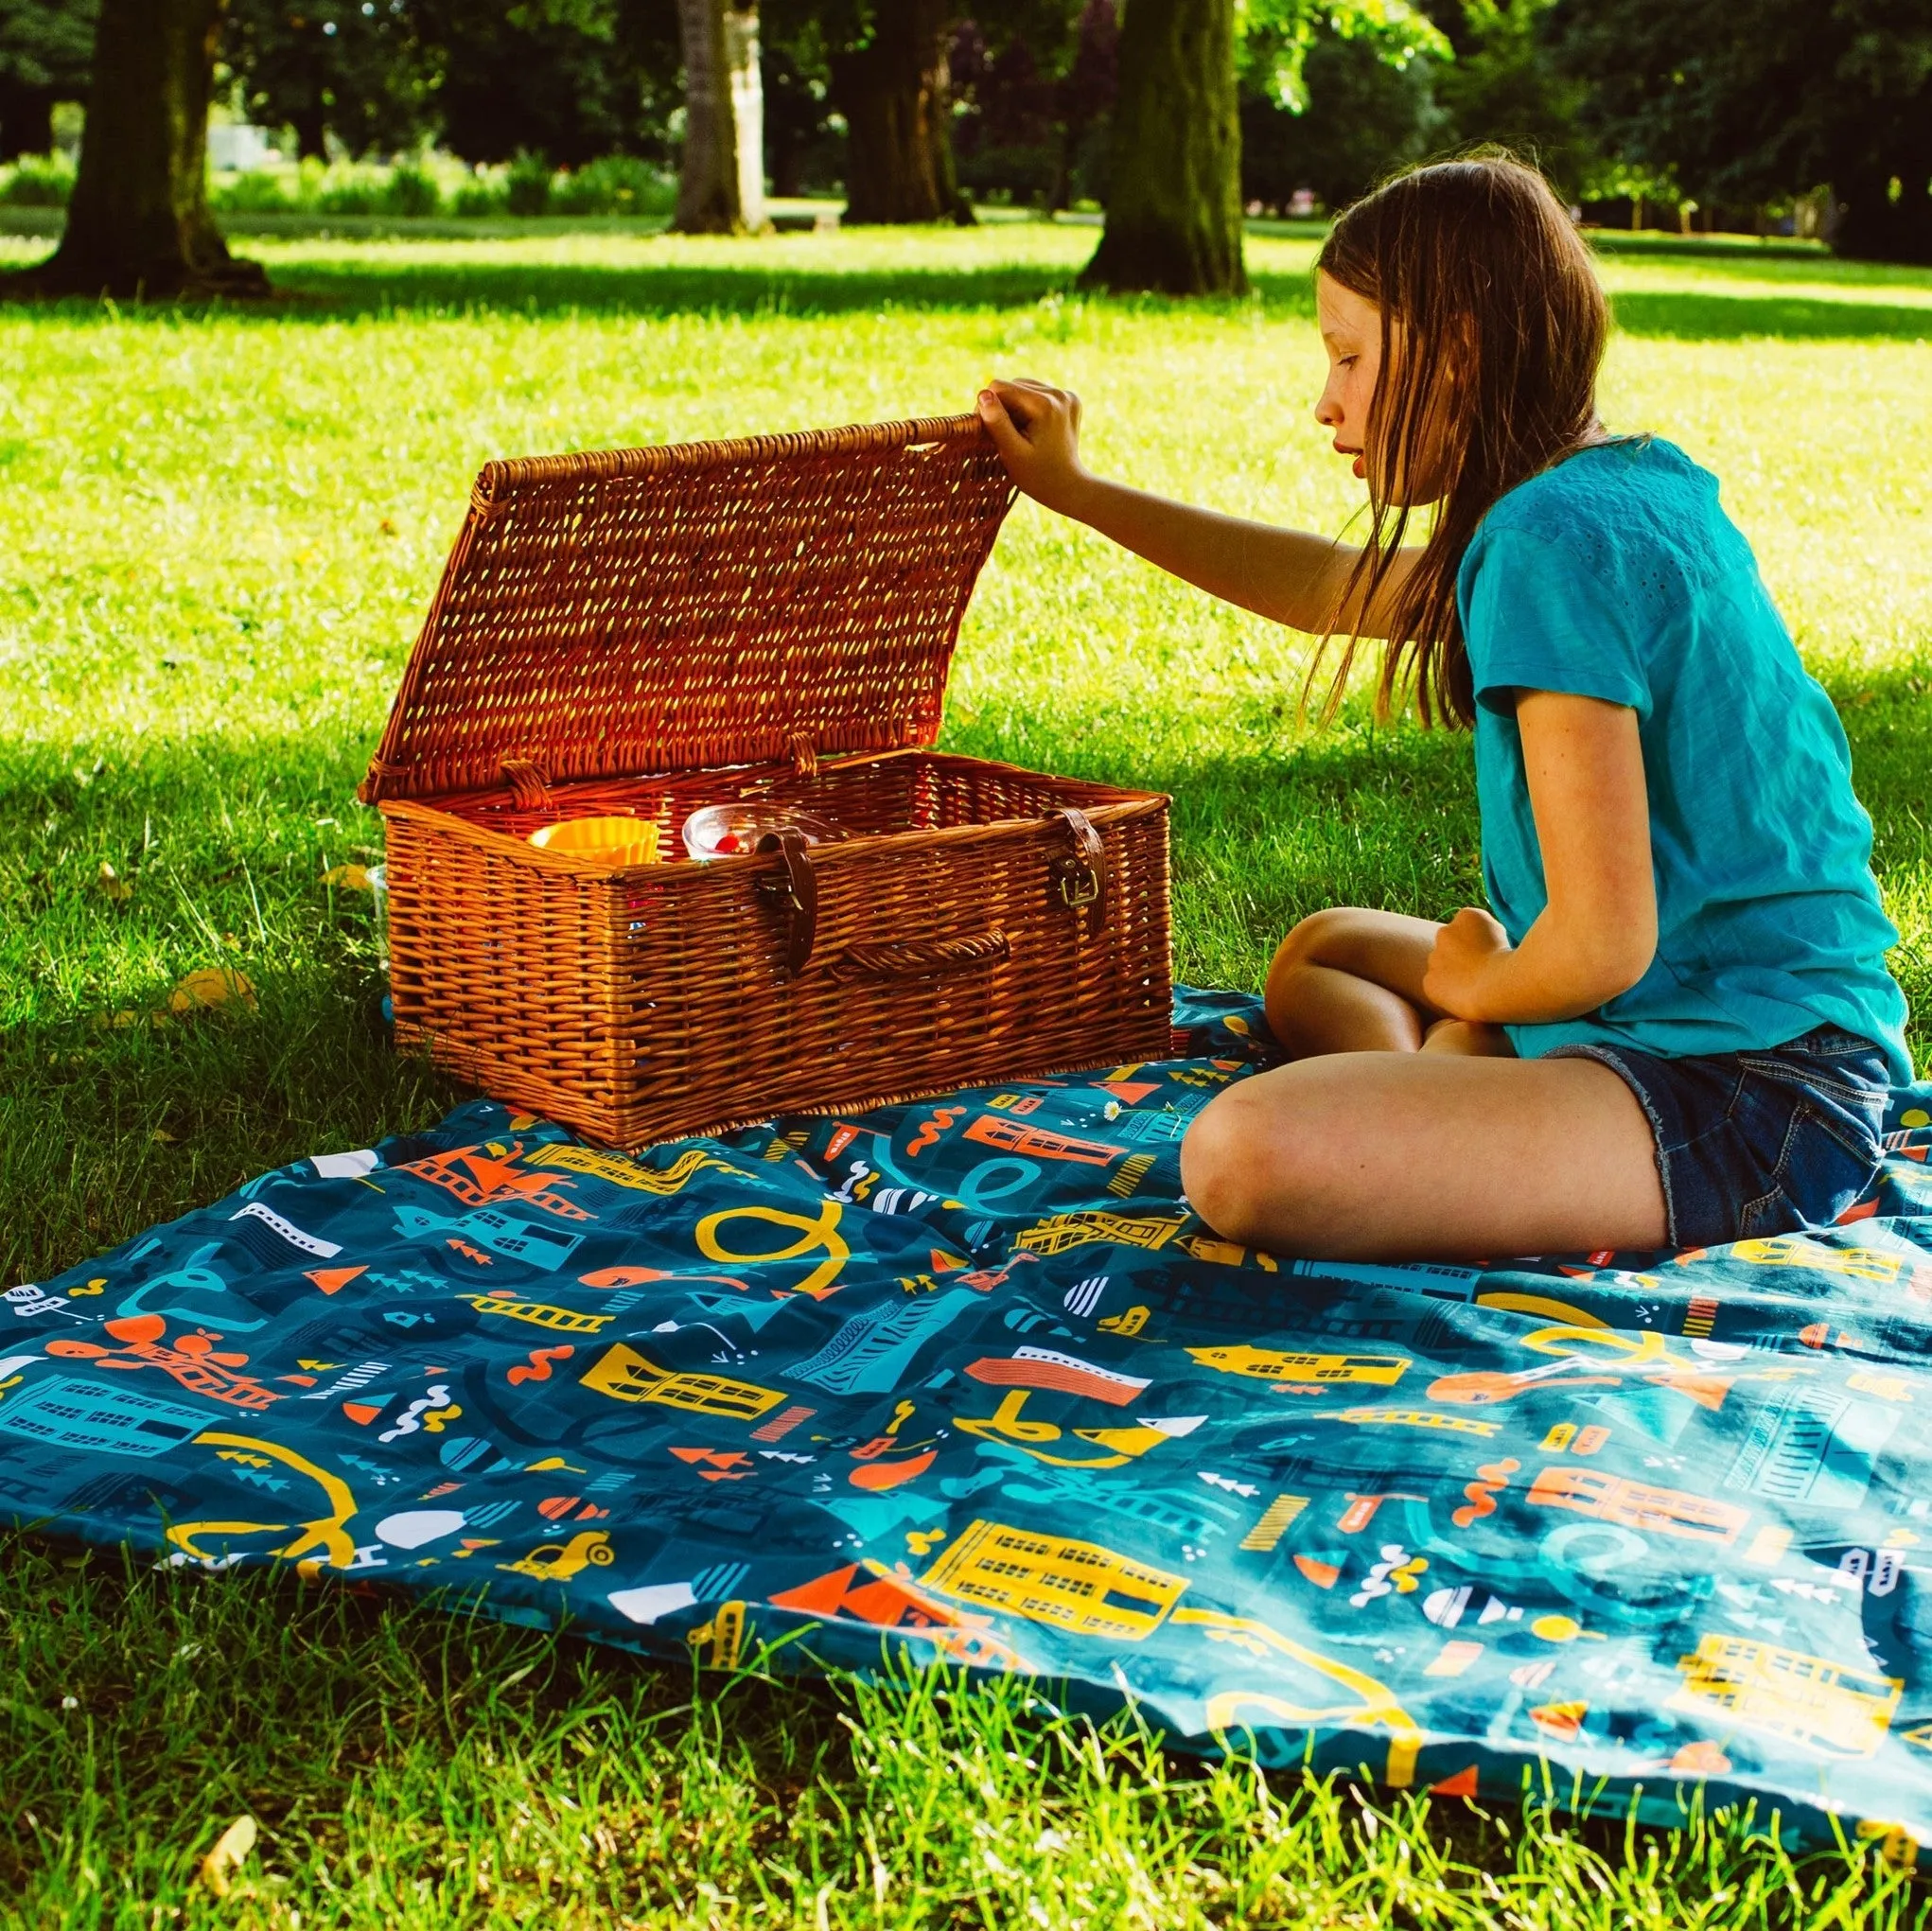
(1760, 1143)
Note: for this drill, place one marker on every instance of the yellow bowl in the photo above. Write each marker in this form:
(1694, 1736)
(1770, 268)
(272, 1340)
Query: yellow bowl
(602, 841)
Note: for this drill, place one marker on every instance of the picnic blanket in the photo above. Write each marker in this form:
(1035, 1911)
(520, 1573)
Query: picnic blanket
(966, 1379)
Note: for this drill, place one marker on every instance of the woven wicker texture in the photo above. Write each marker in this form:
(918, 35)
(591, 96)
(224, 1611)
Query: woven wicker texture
(705, 603)
(943, 953)
(646, 632)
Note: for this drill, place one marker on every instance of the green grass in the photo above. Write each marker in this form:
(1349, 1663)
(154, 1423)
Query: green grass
(217, 533)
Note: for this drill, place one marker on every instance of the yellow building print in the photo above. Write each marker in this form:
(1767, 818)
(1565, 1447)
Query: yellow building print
(618, 1171)
(1806, 1699)
(539, 1314)
(1074, 1586)
(1273, 1364)
(625, 1374)
(1058, 1232)
(1799, 1249)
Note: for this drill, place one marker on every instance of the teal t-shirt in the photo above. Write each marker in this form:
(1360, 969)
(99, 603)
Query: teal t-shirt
(1616, 575)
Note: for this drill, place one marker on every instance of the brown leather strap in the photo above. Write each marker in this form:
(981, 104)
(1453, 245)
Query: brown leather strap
(528, 783)
(796, 890)
(1079, 878)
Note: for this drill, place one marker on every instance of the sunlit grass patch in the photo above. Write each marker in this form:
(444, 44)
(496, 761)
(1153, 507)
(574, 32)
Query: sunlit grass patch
(218, 535)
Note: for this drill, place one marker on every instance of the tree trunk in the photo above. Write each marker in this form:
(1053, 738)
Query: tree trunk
(747, 108)
(1174, 190)
(709, 198)
(27, 122)
(311, 122)
(896, 96)
(138, 223)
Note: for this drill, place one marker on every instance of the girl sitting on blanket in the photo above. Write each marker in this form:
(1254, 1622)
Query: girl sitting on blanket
(1675, 1025)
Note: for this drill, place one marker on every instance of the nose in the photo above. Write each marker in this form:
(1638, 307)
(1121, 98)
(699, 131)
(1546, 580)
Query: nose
(1328, 411)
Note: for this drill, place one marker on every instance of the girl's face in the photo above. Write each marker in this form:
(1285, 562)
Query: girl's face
(1352, 333)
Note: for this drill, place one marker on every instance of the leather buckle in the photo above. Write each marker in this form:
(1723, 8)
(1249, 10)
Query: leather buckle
(1077, 881)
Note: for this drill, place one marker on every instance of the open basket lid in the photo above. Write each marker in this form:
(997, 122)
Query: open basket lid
(700, 604)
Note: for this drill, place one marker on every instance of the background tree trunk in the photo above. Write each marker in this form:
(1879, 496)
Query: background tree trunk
(895, 95)
(747, 108)
(709, 198)
(27, 121)
(138, 221)
(1174, 184)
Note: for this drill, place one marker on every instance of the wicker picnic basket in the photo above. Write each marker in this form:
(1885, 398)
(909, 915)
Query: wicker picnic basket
(647, 631)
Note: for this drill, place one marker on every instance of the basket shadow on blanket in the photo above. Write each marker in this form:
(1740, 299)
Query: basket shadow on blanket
(965, 1378)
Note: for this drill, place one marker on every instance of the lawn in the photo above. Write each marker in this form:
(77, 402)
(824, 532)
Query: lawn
(217, 533)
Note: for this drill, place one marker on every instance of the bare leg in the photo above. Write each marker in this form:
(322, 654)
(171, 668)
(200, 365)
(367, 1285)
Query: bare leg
(1468, 1037)
(1350, 981)
(1403, 1156)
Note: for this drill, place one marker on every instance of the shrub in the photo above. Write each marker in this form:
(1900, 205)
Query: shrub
(614, 184)
(38, 181)
(411, 190)
(527, 184)
(261, 191)
(481, 197)
(351, 191)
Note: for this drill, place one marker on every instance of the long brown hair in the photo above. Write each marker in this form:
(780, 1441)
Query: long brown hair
(1481, 281)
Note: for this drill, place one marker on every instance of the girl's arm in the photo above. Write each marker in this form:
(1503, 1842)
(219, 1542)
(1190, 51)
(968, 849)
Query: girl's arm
(1597, 935)
(1292, 577)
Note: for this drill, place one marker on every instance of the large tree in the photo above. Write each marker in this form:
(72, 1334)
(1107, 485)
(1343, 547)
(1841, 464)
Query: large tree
(891, 82)
(1755, 100)
(1174, 182)
(1175, 178)
(138, 221)
(721, 174)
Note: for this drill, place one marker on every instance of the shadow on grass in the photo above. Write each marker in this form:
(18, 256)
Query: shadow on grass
(369, 285)
(105, 1129)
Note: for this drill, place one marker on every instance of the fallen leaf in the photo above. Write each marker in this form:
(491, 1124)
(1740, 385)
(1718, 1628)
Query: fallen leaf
(349, 878)
(231, 1850)
(211, 986)
(114, 886)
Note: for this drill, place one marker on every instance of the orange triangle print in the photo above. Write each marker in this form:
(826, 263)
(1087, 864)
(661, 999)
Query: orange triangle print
(944, 1262)
(332, 1280)
(361, 1412)
(1325, 1575)
(819, 1597)
(1461, 1785)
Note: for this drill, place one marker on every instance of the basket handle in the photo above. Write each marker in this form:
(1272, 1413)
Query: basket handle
(526, 781)
(1078, 878)
(923, 961)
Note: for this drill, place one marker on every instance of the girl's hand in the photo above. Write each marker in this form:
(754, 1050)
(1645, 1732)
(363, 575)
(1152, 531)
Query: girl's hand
(1036, 429)
(1462, 964)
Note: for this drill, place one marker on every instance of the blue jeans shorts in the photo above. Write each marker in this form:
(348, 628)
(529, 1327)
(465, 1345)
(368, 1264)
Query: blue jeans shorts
(1754, 1144)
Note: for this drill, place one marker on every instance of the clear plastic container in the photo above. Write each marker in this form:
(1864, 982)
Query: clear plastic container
(728, 830)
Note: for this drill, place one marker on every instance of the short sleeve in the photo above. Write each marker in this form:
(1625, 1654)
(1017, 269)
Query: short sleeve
(1536, 618)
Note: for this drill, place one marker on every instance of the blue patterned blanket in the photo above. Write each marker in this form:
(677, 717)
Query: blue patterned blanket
(966, 1377)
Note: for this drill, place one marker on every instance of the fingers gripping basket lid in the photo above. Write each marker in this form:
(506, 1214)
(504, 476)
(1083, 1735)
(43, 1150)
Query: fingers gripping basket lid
(641, 634)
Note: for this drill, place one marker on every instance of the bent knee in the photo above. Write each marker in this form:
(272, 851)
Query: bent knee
(1267, 1175)
(1229, 1171)
(1304, 940)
